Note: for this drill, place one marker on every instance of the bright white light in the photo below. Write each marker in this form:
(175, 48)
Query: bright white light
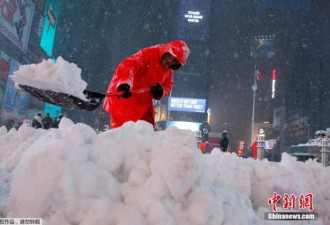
(185, 125)
(261, 131)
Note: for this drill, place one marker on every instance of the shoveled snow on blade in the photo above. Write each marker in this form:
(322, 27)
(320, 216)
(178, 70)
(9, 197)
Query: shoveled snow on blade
(60, 76)
(134, 175)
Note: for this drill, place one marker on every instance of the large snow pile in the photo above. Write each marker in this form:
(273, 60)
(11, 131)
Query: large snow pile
(59, 76)
(133, 175)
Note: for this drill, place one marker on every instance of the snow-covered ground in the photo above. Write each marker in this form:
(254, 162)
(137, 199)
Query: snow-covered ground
(134, 175)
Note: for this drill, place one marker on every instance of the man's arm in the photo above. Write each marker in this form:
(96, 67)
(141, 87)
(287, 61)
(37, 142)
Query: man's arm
(128, 68)
(168, 84)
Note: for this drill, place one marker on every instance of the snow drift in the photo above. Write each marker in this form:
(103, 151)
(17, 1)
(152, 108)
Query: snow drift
(133, 175)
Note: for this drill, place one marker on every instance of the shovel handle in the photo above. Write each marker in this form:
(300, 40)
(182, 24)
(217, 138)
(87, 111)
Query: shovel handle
(119, 93)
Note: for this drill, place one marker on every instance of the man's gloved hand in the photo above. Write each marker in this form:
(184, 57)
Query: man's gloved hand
(157, 91)
(125, 88)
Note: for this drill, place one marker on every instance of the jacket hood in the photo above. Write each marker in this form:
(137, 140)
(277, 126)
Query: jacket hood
(178, 49)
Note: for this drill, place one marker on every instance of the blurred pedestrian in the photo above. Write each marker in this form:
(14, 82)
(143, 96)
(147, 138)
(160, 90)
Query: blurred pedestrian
(203, 146)
(150, 69)
(37, 121)
(205, 129)
(56, 121)
(254, 149)
(47, 121)
(224, 141)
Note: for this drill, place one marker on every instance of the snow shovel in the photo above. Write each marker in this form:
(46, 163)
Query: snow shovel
(94, 99)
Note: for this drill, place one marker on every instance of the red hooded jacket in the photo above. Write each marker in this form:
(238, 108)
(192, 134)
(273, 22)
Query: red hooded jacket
(140, 71)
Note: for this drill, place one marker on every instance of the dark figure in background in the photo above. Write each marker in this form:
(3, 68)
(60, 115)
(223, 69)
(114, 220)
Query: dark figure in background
(224, 141)
(205, 128)
(248, 154)
(37, 121)
(47, 121)
(276, 152)
(57, 120)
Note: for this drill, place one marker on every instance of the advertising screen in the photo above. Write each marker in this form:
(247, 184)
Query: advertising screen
(53, 110)
(193, 23)
(48, 32)
(264, 47)
(187, 104)
(16, 101)
(269, 144)
(15, 21)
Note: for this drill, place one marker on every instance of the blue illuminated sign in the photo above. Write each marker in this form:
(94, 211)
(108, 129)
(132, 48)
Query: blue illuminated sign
(187, 104)
(53, 110)
(48, 32)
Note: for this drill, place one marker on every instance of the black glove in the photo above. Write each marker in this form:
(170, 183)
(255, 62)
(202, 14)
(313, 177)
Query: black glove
(125, 88)
(157, 91)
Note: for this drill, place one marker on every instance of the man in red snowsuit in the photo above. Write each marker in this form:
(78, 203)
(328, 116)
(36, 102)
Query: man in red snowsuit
(150, 69)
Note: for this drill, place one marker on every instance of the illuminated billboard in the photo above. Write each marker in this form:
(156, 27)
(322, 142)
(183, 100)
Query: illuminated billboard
(15, 21)
(187, 104)
(263, 46)
(193, 22)
(269, 144)
(16, 101)
(53, 110)
(48, 32)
